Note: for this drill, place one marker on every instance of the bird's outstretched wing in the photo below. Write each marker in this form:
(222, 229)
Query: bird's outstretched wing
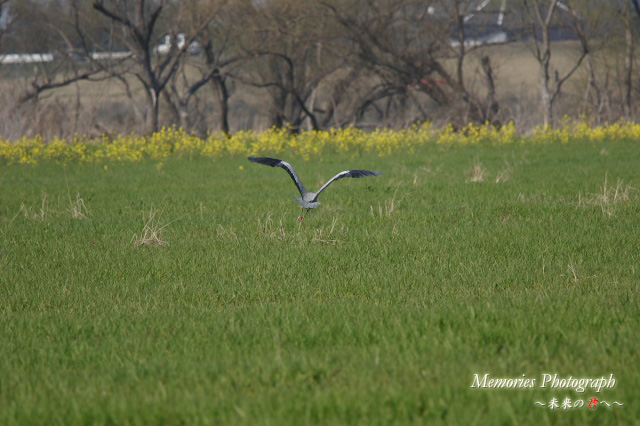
(274, 162)
(348, 174)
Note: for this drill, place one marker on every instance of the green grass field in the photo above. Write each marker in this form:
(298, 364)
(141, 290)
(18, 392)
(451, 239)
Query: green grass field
(377, 309)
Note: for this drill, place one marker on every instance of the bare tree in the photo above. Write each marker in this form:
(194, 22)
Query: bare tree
(138, 20)
(71, 65)
(627, 22)
(221, 65)
(218, 42)
(540, 20)
(285, 40)
(59, 33)
(408, 46)
(61, 65)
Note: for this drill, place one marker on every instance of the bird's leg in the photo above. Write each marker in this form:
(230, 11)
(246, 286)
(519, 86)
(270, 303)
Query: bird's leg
(301, 216)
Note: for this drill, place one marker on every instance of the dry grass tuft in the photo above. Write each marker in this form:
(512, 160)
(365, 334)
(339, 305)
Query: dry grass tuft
(273, 229)
(325, 234)
(226, 234)
(48, 208)
(77, 208)
(477, 173)
(150, 235)
(608, 197)
(29, 212)
(267, 227)
(387, 208)
(504, 175)
(572, 269)
(424, 171)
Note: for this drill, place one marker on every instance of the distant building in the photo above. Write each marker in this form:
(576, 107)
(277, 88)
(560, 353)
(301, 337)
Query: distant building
(500, 21)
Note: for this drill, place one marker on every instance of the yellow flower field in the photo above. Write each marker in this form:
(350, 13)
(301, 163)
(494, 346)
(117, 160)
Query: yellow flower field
(173, 141)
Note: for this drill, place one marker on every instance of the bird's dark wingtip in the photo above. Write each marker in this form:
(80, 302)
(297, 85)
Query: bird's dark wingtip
(363, 173)
(267, 161)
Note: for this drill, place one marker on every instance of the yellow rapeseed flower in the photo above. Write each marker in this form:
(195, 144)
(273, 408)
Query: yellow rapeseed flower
(174, 141)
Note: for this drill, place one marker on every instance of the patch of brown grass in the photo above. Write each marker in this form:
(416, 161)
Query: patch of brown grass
(41, 213)
(504, 175)
(385, 209)
(608, 197)
(477, 173)
(77, 208)
(268, 228)
(152, 229)
(53, 207)
(325, 234)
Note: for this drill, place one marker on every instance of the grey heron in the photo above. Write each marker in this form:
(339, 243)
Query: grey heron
(309, 200)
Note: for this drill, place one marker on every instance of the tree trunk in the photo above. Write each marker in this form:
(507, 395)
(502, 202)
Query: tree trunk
(154, 111)
(492, 104)
(462, 40)
(544, 59)
(183, 113)
(278, 109)
(546, 93)
(628, 61)
(222, 95)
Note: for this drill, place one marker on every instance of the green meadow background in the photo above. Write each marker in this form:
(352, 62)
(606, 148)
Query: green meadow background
(378, 308)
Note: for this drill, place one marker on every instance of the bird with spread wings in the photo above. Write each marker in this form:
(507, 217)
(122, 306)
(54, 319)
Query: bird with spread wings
(309, 200)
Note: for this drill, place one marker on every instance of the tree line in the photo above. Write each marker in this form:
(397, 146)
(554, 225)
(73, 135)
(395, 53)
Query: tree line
(319, 64)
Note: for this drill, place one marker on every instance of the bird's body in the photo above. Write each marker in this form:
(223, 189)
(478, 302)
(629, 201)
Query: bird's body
(306, 202)
(309, 200)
